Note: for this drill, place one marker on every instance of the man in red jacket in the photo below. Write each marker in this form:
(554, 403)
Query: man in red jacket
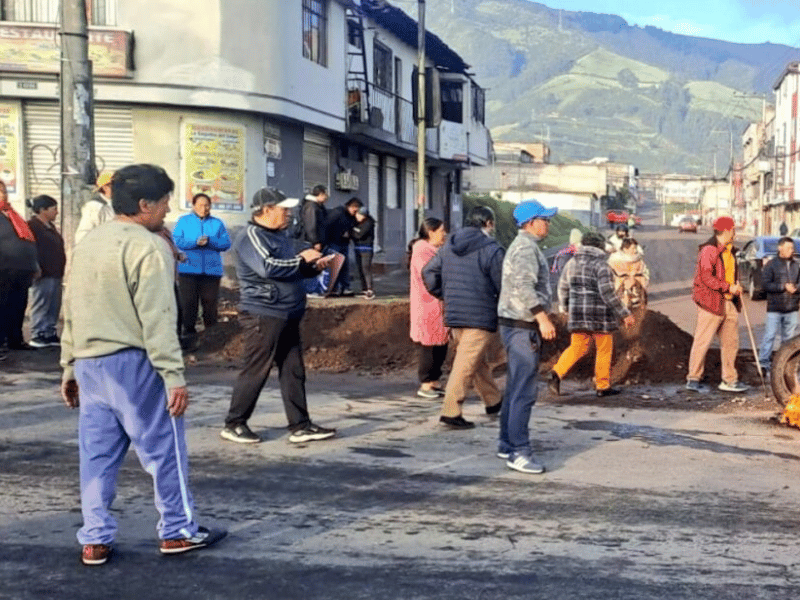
(717, 293)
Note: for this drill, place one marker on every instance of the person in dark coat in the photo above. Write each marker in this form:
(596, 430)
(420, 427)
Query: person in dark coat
(594, 310)
(781, 281)
(18, 267)
(467, 274)
(46, 290)
(363, 235)
(313, 215)
(338, 226)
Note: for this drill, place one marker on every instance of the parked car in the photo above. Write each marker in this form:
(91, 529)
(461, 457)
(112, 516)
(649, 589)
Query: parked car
(751, 260)
(677, 218)
(620, 217)
(687, 224)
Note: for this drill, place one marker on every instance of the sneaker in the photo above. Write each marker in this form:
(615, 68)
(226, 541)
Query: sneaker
(458, 422)
(368, 295)
(347, 293)
(38, 342)
(736, 386)
(430, 393)
(202, 539)
(95, 554)
(503, 455)
(53, 341)
(524, 464)
(696, 386)
(311, 433)
(554, 384)
(493, 410)
(314, 295)
(239, 433)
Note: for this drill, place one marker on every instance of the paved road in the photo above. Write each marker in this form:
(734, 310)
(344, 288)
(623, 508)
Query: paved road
(638, 504)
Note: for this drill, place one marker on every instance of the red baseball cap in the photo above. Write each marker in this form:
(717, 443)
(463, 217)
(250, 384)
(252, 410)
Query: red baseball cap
(723, 224)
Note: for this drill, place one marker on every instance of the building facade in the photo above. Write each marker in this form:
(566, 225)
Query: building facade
(231, 96)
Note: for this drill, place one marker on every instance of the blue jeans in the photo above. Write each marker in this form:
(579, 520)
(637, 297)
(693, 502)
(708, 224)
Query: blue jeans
(124, 403)
(45, 306)
(783, 324)
(523, 347)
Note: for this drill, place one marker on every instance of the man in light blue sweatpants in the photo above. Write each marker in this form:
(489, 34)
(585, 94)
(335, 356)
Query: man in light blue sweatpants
(123, 366)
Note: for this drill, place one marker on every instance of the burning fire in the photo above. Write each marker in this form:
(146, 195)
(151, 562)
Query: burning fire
(791, 413)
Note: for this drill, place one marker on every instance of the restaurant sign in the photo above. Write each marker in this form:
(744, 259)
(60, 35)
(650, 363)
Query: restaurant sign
(37, 49)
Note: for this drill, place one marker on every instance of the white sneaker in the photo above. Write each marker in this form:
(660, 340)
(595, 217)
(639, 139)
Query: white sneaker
(736, 386)
(524, 464)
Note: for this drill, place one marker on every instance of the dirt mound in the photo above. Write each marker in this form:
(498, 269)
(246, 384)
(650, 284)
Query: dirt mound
(346, 334)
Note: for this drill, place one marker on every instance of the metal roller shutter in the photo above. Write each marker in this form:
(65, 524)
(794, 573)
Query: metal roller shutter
(113, 141)
(392, 187)
(316, 165)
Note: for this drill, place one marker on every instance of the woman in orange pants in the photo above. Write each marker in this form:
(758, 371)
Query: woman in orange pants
(595, 310)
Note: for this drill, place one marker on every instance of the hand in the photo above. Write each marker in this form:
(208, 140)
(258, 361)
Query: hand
(791, 288)
(628, 321)
(324, 262)
(177, 401)
(69, 393)
(735, 289)
(310, 255)
(546, 327)
(202, 240)
(317, 247)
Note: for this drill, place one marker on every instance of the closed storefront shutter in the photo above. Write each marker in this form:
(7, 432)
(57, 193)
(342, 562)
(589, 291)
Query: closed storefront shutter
(373, 201)
(392, 188)
(410, 203)
(113, 143)
(316, 159)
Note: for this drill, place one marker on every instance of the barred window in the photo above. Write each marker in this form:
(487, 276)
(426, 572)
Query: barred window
(478, 103)
(315, 26)
(98, 12)
(382, 67)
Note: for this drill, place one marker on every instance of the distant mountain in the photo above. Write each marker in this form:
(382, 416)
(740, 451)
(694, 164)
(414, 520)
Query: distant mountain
(597, 86)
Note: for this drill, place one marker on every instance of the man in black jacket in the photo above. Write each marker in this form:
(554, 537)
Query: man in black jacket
(467, 273)
(313, 215)
(338, 226)
(781, 279)
(272, 303)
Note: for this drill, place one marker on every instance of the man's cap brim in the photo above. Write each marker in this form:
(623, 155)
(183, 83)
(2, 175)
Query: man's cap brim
(288, 203)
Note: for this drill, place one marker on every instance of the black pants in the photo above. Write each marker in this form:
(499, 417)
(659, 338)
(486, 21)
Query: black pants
(364, 264)
(431, 359)
(195, 290)
(268, 341)
(14, 286)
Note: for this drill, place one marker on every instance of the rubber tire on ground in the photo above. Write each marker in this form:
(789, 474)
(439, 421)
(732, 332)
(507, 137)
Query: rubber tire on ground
(785, 366)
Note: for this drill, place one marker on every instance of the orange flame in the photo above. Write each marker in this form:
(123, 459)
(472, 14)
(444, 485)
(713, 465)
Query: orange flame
(791, 413)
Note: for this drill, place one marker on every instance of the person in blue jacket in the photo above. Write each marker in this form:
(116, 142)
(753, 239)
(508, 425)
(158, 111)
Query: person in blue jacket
(202, 238)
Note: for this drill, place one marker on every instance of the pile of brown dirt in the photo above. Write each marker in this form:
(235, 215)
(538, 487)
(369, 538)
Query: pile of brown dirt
(345, 334)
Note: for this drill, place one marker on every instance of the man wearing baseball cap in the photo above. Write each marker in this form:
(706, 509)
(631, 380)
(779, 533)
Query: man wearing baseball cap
(525, 296)
(717, 293)
(97, 210)
(272, 303)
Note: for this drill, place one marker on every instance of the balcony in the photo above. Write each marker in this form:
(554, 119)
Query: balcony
(385, 117)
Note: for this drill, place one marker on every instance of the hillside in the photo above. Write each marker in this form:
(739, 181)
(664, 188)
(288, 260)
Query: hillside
(597, 86)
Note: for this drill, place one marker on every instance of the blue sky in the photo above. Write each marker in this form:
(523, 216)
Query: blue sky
(746, 21)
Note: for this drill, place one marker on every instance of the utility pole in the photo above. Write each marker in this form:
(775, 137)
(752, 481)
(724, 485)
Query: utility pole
(421, 108)
(78, 171)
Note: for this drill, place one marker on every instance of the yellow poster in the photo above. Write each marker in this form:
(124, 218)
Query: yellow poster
(214, 163)
(9, 144)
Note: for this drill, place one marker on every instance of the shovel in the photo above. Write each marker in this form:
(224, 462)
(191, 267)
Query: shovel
(753, 346)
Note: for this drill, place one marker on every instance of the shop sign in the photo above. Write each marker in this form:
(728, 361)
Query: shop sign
(214, 163)
(9, 146)
(37, 49)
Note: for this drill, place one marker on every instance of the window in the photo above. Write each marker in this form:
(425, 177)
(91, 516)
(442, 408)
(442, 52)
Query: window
(355, 36)
(315, 26)
(382, 67)
(478, 104)
(98, 12)
(452, 101)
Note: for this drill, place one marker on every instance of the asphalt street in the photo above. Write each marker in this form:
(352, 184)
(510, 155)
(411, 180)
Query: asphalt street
(636, 504)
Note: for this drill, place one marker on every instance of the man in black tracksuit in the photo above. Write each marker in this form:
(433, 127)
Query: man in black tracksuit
(781, 280)
(272, 303)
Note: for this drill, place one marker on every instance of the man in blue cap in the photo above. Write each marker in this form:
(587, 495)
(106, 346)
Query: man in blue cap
(525, 297)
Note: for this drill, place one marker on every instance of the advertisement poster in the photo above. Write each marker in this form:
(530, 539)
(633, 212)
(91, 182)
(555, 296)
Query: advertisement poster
(214, 163)
(37, 48)
(9, 145)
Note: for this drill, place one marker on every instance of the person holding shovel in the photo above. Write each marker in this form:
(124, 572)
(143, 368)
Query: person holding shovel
(717, 293)
(781, 279)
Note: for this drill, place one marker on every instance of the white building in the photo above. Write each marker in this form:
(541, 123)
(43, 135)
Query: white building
(785, 196)
(230, 96)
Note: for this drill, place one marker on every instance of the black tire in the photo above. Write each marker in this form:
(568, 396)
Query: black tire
(785, 368)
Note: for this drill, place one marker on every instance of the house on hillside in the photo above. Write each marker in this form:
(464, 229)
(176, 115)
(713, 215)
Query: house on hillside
(289, 94)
